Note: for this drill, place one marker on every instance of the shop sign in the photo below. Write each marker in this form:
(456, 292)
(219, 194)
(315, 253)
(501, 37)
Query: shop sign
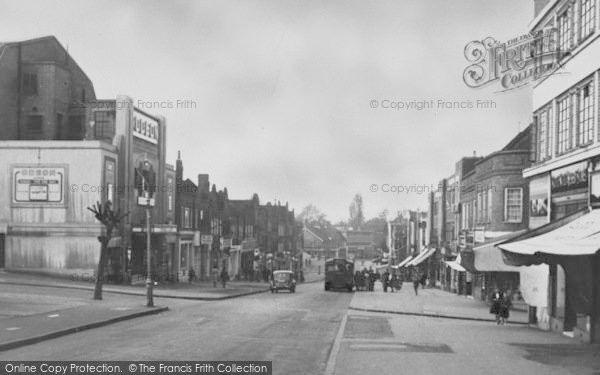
(538, 197)
(479, 234)
(206, 239)
(38, 184)
(569, 178)
(595, 185)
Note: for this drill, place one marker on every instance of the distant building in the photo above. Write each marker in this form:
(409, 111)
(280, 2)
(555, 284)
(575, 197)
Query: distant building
(493, 208)
(323, 241)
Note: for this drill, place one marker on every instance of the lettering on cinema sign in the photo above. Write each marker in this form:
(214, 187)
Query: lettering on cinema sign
(513, 64)
(145, 127)
(38, 184)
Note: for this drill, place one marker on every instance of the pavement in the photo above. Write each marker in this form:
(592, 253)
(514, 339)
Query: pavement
(197, 290)
(429, 302)
(31, 314)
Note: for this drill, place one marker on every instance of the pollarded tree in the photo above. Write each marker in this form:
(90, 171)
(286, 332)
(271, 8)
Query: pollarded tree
(104, 213)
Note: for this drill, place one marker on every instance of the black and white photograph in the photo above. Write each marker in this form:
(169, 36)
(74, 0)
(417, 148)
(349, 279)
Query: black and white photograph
(300, 187)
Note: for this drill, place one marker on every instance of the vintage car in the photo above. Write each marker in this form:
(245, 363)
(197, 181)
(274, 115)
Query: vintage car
(283, 280)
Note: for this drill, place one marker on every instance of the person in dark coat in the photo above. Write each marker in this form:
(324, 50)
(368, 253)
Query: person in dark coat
(385, 280)
(500, 306)
(416, 281)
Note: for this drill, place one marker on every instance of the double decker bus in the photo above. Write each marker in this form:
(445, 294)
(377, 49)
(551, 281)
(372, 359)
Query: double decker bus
(339, 274)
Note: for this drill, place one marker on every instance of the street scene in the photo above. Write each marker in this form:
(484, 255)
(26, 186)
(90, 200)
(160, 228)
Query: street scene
(300, 187)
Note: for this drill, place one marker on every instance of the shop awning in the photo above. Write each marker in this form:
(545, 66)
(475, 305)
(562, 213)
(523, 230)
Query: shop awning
(488, 258)
(455, 266)
(405, 261)
(579, 234)
(421, 257)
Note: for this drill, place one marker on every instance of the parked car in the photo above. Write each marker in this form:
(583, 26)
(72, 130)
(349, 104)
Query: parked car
(283, 280)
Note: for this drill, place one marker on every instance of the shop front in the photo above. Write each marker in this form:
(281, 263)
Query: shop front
(571, 252)
(164, 265)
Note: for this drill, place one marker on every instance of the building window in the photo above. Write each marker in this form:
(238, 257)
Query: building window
(484, 209)
(587, 20)
(186, 217)
(30, 84)
(513, 205)
(479, 207)
(489, 205)
(103, 125)
(565, 37)
(564, 120)
(544, 121)
(585, 119)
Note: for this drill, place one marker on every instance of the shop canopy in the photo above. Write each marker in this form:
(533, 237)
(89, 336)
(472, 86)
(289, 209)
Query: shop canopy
(405, 261)
(488, 258)
(579, 234)
(455, 265)
(421, 257)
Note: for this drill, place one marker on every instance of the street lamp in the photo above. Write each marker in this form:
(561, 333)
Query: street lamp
(149, 298)
(147, 201)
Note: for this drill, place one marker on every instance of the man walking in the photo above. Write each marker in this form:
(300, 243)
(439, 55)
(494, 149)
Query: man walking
(416, 280)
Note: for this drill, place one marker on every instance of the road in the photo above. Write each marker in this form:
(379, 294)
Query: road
(314, 332)
(295, 331)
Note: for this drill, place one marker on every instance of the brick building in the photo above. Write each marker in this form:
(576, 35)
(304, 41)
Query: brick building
(42, 90)
(492, 208)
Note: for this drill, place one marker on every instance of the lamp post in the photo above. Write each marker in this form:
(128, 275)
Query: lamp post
(150, 300)
(147, 202)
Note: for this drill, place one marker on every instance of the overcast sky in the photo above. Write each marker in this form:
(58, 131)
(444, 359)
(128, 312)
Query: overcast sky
(284, 89)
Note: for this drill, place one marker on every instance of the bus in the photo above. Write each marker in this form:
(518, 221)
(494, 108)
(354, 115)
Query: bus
(339, 274)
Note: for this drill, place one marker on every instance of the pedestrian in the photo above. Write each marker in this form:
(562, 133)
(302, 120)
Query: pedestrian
(500, 306)
(224, 276)
(423, 281)
(385, 280)
(504, 307)
(416, 281)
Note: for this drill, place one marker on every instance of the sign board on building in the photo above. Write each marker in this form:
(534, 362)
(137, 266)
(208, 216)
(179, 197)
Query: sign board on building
(538, 197)
(595, 184)
(206, 239)
(145, 127)
(226, 242)
(569, 178)
(143, 201)
(39, 184)
(479, 234)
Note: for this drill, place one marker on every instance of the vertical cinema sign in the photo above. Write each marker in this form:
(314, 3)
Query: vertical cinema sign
(145, 127)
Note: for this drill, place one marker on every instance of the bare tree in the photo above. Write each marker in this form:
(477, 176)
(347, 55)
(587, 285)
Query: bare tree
(312, 215)
(111, 220)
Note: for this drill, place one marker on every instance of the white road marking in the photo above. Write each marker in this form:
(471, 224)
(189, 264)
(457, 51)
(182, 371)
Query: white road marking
(330, 370)
(53, 315)
(13, 328)
(121, 308)
(377, 346)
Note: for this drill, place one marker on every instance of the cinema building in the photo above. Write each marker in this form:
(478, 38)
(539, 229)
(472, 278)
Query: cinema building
(564, 178)
(62, 151)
